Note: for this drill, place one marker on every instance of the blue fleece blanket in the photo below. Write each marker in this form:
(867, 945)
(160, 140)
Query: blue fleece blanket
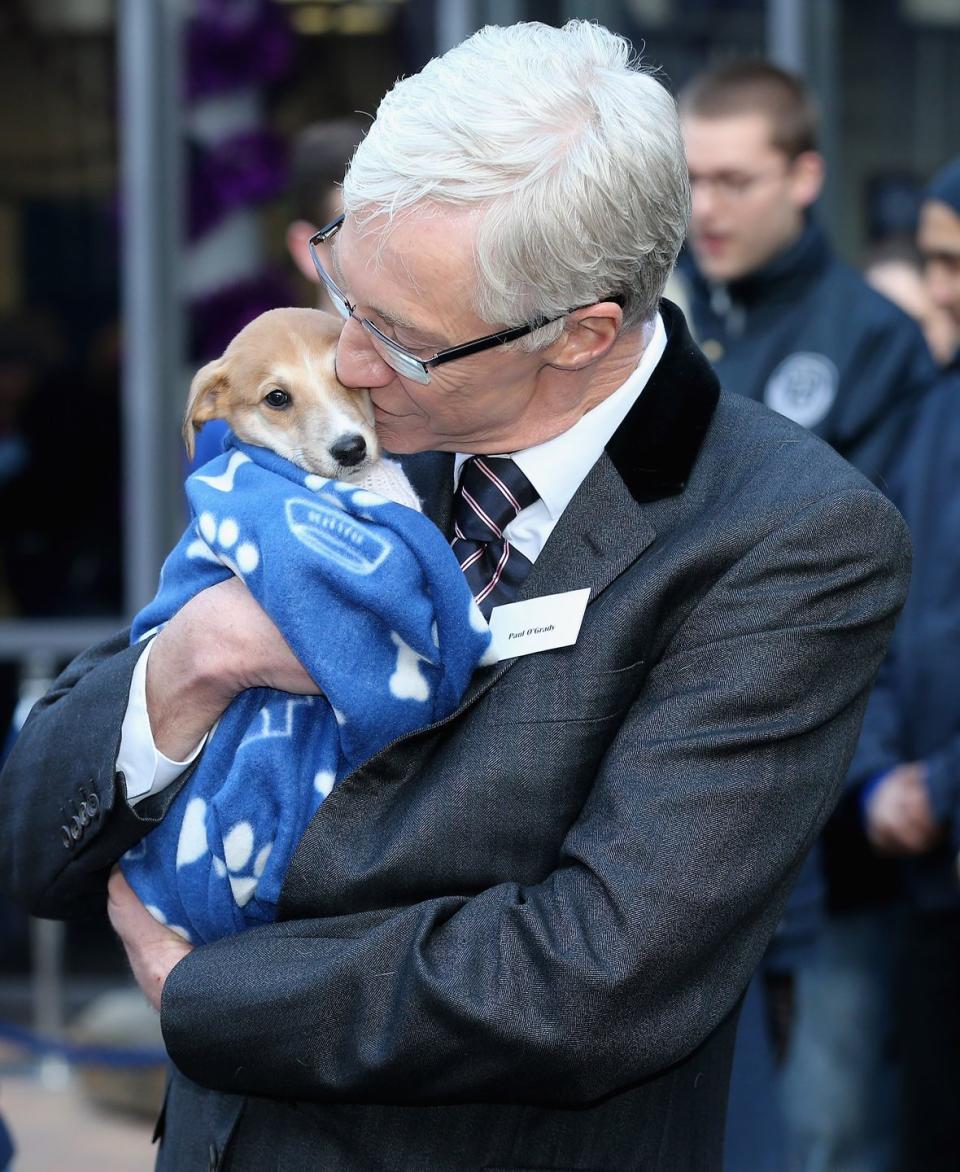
(370, 598)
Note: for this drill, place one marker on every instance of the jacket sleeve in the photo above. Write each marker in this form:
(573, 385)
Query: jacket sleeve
(668, 887)
(943, 782)
(67, 817)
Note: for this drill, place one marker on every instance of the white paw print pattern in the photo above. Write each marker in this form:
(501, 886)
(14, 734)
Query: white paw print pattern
(242, 865)
(221, 542)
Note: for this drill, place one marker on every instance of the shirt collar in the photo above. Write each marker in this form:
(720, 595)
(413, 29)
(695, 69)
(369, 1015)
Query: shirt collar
(557, 467)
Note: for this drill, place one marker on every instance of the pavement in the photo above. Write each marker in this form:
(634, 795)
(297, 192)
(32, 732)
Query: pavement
(89, 1118)
(57, 1125)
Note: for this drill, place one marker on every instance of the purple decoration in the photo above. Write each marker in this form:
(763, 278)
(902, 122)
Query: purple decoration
(219, 316)
(244, 169)
(235, 44)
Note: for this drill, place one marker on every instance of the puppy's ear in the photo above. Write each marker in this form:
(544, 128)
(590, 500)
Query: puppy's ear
(203, 402)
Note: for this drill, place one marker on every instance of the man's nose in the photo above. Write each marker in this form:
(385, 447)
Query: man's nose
(701, 199)
(357, 363)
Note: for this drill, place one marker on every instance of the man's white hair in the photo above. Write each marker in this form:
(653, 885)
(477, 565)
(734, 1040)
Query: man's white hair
(569, 152)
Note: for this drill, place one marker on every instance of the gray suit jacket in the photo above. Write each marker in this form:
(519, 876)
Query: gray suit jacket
(518, 938)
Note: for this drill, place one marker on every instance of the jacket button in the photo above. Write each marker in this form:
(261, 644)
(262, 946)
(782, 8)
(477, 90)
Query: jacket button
(65, 837)
(214, 1161)
(93, 805)
(76, 828)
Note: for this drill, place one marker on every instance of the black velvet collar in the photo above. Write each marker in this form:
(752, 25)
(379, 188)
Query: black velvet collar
(656, 446)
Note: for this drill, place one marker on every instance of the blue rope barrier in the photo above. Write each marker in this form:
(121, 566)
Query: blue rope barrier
(81, 1053)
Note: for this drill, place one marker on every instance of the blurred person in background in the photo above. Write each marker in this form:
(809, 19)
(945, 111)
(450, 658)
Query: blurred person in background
(895, 268)
(319, 156)
(784, 321)
(905, 777)
(938, 239)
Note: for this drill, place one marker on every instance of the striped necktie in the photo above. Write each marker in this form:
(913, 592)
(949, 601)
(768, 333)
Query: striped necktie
(492, 491)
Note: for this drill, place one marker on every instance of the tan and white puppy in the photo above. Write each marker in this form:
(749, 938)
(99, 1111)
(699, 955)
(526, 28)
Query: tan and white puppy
(276, 385)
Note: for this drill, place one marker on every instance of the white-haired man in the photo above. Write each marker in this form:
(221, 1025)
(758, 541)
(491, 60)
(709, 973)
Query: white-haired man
(517, 938)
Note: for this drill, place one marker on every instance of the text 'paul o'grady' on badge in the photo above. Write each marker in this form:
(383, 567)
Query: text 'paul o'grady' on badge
(537, 624)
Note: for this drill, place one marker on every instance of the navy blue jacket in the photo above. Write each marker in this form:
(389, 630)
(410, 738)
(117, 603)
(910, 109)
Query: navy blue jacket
(914, 712)
(807, 336)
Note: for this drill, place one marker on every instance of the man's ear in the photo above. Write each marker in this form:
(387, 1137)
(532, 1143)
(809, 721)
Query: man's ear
(807, 175)
(298, 245)
(588, 335)
(203, 402)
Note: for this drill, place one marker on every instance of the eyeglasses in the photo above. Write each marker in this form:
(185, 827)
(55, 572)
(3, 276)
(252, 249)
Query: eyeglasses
(734, 185)
(396, 356)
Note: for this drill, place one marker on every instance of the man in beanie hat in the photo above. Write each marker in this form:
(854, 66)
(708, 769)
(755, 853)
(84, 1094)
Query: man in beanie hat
(786, 322)
(938, 239)
(907, 764)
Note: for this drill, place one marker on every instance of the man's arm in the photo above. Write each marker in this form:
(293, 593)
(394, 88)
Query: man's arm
(668, 886)
(890, 790)
(63, 764)
(67, 820)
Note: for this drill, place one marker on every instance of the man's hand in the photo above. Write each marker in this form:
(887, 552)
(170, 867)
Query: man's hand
(899, 820)
(215, 646)
(151, 948)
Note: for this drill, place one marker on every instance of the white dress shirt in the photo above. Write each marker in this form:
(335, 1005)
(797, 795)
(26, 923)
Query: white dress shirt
(556, 469)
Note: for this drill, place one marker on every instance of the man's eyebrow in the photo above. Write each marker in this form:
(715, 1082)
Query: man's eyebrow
(940, 251)
(391, 318)
(721, 173)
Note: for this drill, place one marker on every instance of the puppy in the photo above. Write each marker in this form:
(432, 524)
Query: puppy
(276, 386)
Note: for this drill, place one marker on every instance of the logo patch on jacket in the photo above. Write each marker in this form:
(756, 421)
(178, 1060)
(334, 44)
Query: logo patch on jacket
(803, 387)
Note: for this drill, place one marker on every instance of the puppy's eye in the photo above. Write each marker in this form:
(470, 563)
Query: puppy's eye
(277, 398)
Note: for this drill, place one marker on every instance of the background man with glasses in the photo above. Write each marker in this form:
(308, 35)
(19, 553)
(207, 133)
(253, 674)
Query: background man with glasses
(517, 938)
(782, 319)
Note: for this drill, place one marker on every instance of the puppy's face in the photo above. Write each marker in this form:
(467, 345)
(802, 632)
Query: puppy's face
(276, 386)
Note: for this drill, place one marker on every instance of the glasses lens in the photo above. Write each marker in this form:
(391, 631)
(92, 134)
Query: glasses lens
(339, 301)
(396, 357)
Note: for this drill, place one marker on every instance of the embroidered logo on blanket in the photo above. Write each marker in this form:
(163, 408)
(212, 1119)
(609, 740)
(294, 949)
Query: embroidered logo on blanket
(336, 535)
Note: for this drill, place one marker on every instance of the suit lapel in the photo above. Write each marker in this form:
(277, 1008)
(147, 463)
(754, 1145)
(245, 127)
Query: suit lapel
(600, 534)
(605, 528)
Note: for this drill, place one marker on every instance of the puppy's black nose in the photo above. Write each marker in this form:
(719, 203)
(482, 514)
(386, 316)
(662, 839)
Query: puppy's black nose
(349, 450)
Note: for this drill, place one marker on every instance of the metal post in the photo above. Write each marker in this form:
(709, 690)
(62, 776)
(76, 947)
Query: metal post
(823, 73)
(786, 34)
(803, 36)
(151, 168)
(454, 22)
(37, 670)
(502, 12)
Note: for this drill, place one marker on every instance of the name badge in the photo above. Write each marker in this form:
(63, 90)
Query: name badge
(537, 624)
